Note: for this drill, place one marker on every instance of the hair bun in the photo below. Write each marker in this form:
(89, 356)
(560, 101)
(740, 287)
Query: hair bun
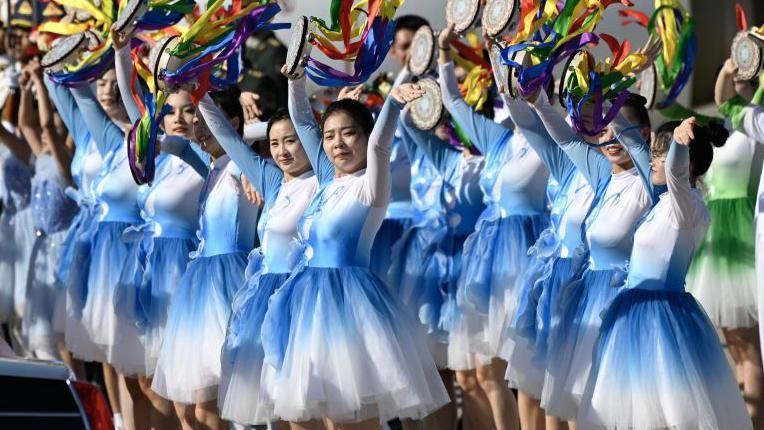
(717, 133)
(637, 99)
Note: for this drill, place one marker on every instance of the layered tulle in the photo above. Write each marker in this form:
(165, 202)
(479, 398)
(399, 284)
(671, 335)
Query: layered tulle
(43, 298)
(491, 282)
(7, 266)
(658, 364)
(109, 255)
(73, 275)
(22, 223)
(188, 369)
(575, 326)
(343, 347)
(723, 273)
(418, 272)
(240, 396)
(382, 250)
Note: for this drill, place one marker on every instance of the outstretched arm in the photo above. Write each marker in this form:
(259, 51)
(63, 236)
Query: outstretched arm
(308, 130)
(264, 176)
(106, 134)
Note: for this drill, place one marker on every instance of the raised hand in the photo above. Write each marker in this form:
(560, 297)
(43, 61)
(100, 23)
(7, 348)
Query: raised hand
(684, 134)
(252, 112)
(406, 93)
(353, 93)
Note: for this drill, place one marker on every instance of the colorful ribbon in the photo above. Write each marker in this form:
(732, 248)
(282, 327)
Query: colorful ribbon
(364, 42)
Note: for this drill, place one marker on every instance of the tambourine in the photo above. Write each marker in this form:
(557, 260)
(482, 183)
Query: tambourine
(161, 60)
(501, 70)
(126, 21)
(500, 16)
(66, 51)
(747, 55)
(299, 45)
(513, 81)
(570, 67)
(648, 86)
(422, 51)
(427, 111)
(462, 13)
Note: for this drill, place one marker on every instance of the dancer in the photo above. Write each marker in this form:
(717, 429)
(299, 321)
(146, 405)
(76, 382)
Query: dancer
(618, 172)
(689, 382)
(201, 306)
(287, 187)
(723, 273)
(357, 330)
(495, 256)
(169, 208)
(53, 212)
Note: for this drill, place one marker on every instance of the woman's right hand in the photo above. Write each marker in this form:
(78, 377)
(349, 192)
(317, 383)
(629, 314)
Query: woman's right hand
(118, 39)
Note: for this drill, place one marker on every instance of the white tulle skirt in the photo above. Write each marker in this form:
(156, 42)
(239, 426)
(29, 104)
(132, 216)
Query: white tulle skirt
(344, 348)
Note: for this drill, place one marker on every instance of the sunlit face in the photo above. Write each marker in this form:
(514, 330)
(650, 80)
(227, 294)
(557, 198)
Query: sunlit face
(658, 168)
(107, 92)
(345, 143)
(180, 121)
(401, 45)
(18, 43)
(206, 140)
(286, 149)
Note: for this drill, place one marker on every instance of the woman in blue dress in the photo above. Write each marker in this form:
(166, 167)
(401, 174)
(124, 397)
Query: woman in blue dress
(658, 362)
(16, 229)
(495, 256)
(287, 186)
(342, 347)
(618, 172)
(169, 207)
(189, 364)
(559, 251)
(53, 212)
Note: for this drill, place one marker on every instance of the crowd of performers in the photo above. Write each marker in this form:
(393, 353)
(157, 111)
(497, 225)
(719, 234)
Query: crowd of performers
(233, 258)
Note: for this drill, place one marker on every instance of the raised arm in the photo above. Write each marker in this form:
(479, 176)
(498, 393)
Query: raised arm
(263, 175)
(443, 156)
(61, 153)
(69, 112)
(592, 164)
(378, 175)
(123, 64)
(683, 204)
(308, 130)
(106, 134)
(530, 125)
(483, 132)
(188, 152)
(628, 135)
(28, 123)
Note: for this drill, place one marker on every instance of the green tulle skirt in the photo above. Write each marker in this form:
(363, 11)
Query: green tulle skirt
(723, 273)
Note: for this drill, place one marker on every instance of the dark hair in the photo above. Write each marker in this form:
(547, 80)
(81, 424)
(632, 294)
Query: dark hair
(281, 114)
(664, 135)
(357, 111)
(410, 22)
(701, 151)
(635, 106)
(227, 100)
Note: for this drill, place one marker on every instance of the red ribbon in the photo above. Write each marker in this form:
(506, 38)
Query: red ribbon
(742, 24)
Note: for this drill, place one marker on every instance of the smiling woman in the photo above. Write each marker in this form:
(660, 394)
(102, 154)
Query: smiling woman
(347, 126)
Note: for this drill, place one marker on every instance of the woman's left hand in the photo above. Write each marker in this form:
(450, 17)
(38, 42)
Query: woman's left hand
(684, 134)
(406, 93)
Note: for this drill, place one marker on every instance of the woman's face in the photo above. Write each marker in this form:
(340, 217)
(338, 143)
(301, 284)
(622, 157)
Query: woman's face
(206, 140)
(107, 92)
(345, 143)
(658, 168)
(286, 149)
(180, 121)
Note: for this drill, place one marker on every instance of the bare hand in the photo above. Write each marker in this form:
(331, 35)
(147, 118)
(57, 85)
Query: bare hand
(446, 37)
(252, 112)
(729, 68)
(293, 77)
(250, 191)
(406, 93)
(352, 93)
(652, 49)
(34, 70)
(684, 134)
(118, 39)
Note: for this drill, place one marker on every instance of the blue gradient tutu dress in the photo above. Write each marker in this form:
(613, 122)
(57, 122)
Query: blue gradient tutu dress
(460, 203)
(75, 254)
(341, 345)
(514, 181)
(557, 254)
(658, 362)
(189, 366)
(620, 201)
(240, 396)
(53, 212)
(116, 192)
(16, 234)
